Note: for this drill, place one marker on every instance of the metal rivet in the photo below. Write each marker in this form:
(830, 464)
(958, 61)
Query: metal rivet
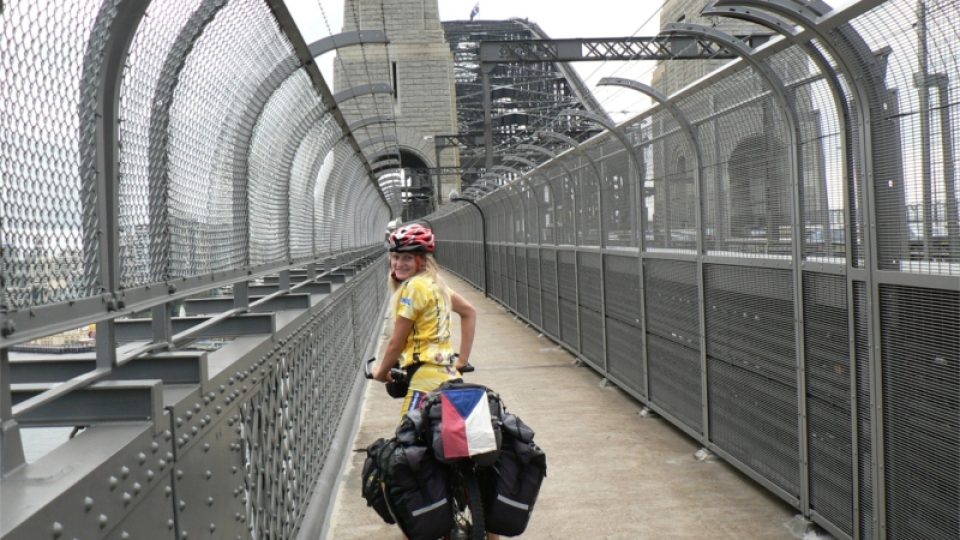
(179, 421)
(124, 471)
(196, 407)
(103, 520)
(167, 490)
(113, 482)
(137, 487)
(188, 414)
(87, 503)
(169, 456)
(213, 527)
(194, 430)
(169, 523)
(233, 469)
(142, 458)
(150, 474)
(208, 474)
(209, 501)
(154, 446)
(206, 447)
(179, 473)
(56, 529)
(125, 535)
(167, 435)
(127, 497)
(182, 504)
(161, 463)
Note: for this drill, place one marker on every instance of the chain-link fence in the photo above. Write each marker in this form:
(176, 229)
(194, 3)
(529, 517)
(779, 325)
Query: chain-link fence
(178, 189)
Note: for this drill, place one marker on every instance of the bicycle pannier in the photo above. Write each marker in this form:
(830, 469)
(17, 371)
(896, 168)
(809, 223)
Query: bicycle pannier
(511, 486)
(417, 490)
(373, 477)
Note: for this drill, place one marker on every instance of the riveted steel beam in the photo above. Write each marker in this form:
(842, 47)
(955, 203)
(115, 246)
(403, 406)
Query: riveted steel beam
(240, 325)
(204, 306)
(104, 401)
(175, 367)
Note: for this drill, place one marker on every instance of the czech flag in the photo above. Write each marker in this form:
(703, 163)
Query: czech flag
(467, 429)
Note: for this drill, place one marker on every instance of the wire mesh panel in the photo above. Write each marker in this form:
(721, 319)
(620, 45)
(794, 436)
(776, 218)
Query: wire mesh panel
(618, 194)
(310, 157)
(510, 275)
(917, 211)
(567, 275)
(533, 291)
(589, 280)
(672, 212)
(921, 377)
(548, 289)
(268, 180)
(51, 60)
(829, 405)
(673, 304)
(157, 53)
(745, 175)
(673, 335)
(752, 369)
(208, 218)
(565, 191)
(820, 153)
(624, 336)
(676, 380)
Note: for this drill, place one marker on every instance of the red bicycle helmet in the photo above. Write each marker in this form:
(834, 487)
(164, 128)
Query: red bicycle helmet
(412, 238)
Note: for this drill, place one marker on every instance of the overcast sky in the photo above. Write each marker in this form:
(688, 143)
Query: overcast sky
(596, 18)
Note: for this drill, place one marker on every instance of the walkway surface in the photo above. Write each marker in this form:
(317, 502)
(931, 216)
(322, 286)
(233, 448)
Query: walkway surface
(611, 473)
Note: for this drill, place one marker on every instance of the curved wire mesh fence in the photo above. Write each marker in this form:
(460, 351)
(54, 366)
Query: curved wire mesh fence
(179, 192)
(780, 283)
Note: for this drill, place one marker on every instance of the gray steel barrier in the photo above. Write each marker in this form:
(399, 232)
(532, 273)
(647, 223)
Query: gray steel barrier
(188, 222)
(768, 257)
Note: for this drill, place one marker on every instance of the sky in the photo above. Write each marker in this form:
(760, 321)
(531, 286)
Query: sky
(593, 19)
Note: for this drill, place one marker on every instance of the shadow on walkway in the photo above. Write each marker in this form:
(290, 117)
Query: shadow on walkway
(611, 473)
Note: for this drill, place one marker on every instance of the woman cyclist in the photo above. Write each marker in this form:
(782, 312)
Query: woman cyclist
(420, 342)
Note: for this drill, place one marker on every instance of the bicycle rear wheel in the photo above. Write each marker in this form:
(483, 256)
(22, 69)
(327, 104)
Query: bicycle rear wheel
(478, 529)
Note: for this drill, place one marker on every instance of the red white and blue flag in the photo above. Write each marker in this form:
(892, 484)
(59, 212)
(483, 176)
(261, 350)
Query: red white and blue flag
(467, 429)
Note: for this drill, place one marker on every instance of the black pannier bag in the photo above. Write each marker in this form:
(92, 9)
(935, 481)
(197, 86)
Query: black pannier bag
(373, 478)
(510, 487)
(436, 432)
(417, 491)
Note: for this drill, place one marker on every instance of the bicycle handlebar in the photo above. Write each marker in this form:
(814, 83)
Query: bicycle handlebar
(398, 374)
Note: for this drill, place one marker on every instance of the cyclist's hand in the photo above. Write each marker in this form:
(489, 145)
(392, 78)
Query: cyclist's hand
(381, 374)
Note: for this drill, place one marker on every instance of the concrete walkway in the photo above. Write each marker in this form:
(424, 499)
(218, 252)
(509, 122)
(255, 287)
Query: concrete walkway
(611, 473)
